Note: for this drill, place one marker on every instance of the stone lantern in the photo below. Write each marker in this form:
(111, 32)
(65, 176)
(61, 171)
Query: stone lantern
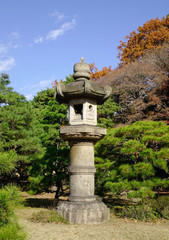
(82, 96)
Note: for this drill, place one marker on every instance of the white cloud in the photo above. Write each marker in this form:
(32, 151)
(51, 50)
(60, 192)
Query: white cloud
(7, 64)
(38, 39)
(16, 46)
(45, 82)
(59, 16)
(52, 35)
(39, 85)
(29, 97)
(3, 48)
(32, 89)
(6, 60)
(15, 35)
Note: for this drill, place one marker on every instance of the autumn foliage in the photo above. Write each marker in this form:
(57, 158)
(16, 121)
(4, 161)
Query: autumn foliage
(153, 34)
(96, 74)
(55, 83)
(141, 88)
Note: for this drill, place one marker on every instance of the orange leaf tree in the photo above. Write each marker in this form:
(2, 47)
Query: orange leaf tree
(96, 74)
(153, 34)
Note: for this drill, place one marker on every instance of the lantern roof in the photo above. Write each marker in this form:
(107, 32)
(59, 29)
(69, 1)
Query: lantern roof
(82, 87)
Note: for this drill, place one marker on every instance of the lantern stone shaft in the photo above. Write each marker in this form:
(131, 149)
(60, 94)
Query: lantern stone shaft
(82, 133)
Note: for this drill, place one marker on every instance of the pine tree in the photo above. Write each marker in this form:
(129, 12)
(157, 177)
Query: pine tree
(18, 134)
(51, 168)
(134, 159)
(106, 113)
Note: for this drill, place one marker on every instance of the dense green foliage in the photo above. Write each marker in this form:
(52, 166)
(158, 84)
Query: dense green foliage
(134, 159)
(18, 132)
(51, 168)
(12, 232)
(106, 113)
(12, 130)
(9, 199)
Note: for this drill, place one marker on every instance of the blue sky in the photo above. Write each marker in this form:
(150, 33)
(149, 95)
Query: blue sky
(41, 40)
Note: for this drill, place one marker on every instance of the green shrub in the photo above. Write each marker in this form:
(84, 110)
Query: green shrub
(165, 213)
(9, 228)
(138, 212)
(12, 231)
(6, 212)
(9, 199)
(161, 206)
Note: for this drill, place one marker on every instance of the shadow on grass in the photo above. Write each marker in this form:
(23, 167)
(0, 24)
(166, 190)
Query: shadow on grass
(40, 203)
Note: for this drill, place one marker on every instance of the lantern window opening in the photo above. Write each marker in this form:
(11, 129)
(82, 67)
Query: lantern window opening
(78, 108)
(90, 107)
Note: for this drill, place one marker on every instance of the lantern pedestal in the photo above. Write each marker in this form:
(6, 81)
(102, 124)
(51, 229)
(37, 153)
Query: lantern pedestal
(84, 212)
(82, 206)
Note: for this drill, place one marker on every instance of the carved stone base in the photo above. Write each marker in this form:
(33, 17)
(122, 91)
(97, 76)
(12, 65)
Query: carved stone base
(84, 212)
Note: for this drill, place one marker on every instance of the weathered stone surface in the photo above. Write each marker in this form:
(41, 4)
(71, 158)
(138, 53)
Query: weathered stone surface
(93, 133)
(82, 111)
(82, 87)
(81, 71)
(82, 154)
(82, 187)
(81, 171)
(84, 212)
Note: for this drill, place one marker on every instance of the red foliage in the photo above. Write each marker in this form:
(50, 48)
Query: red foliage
(55, 83)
